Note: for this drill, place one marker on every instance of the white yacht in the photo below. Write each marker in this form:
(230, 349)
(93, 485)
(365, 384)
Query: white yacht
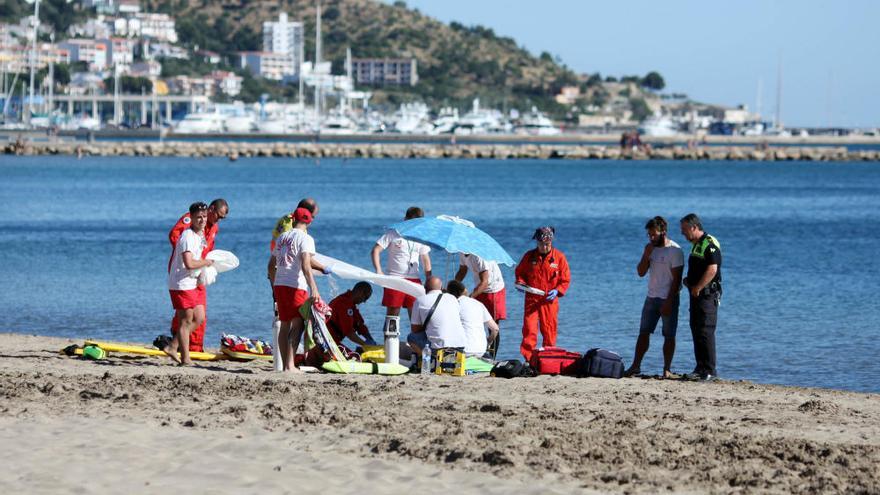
(412, 118)
(659, 126)
(200, 123)
(535, 123)
(482, 121)
(446, 121)
(338, 122)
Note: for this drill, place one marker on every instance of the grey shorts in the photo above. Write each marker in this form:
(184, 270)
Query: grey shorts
(651, 315)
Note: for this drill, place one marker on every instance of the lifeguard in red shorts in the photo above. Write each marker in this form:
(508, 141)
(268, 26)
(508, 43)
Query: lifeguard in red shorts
(404, 256)
(544, 268)
(187, 296)
(293, 277)
(489, 290)
(217, 210)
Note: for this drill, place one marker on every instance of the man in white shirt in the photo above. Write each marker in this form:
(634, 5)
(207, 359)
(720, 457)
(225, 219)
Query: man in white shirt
(293, 253)
(489, 289)
(436, 319)
(187, 296)
(403, 259)
(475, 318)
(664, 260)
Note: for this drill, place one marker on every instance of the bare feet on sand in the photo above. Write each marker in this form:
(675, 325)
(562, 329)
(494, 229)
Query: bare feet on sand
(631, 372)
(668, 375)
(171, 354)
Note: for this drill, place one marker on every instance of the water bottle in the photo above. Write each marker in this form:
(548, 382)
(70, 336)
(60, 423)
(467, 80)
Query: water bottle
(426, 359)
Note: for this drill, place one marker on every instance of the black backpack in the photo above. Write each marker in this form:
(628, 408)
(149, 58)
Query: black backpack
(513, 368)
(601, 363)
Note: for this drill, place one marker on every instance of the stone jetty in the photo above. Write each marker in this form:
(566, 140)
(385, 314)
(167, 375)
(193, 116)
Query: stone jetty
(236, 150)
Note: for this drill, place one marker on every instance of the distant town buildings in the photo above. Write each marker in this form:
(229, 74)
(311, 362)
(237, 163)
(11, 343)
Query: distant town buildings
(275, 66)
(16, 58)
(283, 37)
(120, 51)
(568, 95)
(385, 71)
(88, 51)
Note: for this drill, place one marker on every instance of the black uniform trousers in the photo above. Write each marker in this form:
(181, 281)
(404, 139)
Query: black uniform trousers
(704, 317)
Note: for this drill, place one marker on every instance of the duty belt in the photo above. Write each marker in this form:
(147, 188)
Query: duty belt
(711, 289)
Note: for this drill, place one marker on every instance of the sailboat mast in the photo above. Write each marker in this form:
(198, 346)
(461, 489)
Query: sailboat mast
(778, 123)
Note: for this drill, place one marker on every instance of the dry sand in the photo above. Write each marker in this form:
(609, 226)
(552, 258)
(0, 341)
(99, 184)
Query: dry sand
(141, 425)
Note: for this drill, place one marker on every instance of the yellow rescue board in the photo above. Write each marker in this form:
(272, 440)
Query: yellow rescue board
(150, 351)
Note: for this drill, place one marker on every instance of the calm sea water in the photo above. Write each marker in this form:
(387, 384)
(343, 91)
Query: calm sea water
(84, 249)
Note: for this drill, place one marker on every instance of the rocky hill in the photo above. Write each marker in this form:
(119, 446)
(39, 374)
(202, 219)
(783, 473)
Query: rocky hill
(456, 63)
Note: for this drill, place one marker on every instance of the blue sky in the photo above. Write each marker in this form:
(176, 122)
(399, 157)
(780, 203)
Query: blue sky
(714, 51)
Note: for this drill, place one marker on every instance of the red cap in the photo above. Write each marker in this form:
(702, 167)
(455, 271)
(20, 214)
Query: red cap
(302, 215)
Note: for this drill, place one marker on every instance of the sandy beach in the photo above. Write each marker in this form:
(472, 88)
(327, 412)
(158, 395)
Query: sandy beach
(69, 425)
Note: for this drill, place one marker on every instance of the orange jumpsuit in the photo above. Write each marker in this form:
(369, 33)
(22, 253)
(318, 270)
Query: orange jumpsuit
(546, 273)
(197, 338)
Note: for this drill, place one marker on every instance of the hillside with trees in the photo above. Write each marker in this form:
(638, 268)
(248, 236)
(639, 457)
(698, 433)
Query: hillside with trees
(456, 63)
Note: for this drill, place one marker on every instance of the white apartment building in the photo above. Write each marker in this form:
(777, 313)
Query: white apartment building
(227, 82)
(16, 58)
(284, 37)
(92, 28)
(160, 27)
(275, 66)
(120, 51)
(89, 51)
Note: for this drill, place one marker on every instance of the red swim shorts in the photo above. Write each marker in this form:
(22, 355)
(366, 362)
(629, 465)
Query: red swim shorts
(187, 299)
(395, 299)
(289, 300)
(496, 303)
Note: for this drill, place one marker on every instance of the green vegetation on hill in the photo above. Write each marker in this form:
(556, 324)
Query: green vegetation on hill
(455, 62)
(56, 13)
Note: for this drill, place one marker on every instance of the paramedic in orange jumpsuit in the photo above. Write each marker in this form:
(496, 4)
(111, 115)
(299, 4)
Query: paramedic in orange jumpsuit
(217, 210)
(544, 268)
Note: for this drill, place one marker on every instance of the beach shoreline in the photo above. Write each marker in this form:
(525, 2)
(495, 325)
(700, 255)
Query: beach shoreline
(472, 434)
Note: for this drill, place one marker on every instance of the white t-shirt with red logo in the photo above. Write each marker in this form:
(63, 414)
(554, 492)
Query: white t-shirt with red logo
(288, 261)
(477, 265)
(403, 255)
(179, 277)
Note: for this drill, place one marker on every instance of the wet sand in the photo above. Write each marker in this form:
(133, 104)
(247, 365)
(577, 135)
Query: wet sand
(69, 425)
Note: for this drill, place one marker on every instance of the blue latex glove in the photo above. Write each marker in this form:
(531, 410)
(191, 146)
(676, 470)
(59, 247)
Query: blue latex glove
(552, 294)
(327, 270)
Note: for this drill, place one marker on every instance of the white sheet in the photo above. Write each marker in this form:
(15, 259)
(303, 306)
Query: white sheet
(223, 262)
(351, 272)
(530, 290)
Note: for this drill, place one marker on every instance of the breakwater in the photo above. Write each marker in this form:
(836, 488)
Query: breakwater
(236, 150)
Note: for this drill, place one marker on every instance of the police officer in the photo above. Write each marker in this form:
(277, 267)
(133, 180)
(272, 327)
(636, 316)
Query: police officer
(704, 284)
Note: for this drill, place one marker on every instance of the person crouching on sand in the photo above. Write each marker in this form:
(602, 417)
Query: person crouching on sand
(187, 297)
(293, 275)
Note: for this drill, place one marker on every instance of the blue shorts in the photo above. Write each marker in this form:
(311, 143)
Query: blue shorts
(419, 339)
(651, 315)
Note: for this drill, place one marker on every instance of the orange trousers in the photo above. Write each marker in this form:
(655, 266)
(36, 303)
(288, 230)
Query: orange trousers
(539, 314)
